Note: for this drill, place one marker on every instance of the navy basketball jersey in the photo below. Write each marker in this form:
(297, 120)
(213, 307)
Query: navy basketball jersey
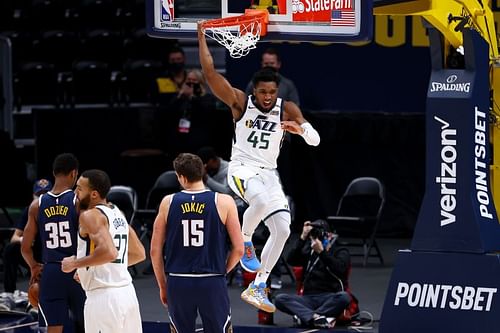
(196, 237)
(57, 225)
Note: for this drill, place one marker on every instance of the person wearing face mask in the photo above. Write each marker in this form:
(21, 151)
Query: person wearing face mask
(191, 112)
(170, 83)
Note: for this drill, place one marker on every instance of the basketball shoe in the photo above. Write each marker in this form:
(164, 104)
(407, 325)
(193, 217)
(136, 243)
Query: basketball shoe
(249, 261)
(257, 296)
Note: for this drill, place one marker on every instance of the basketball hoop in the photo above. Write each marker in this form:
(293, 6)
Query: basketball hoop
(238, 34)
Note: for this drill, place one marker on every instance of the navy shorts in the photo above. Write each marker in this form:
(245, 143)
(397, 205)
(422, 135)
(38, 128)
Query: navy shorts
(186, 296)
(61, 297)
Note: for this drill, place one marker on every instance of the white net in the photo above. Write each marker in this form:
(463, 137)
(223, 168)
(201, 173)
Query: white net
(238, 38)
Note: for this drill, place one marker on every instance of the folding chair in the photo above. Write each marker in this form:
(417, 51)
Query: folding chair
(165, 184)
(358, 215)
(125, 198)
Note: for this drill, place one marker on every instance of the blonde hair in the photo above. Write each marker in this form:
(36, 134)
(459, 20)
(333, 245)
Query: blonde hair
(201, 78)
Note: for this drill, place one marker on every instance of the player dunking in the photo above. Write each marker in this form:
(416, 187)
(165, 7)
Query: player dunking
(191, 230)
(55, 217)
(261, 120)
(106, 247)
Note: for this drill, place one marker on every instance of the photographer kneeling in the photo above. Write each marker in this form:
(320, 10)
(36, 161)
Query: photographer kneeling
(325, 273)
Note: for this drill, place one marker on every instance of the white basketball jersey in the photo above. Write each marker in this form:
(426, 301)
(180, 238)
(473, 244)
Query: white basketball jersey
(113, 274)
(258, 136)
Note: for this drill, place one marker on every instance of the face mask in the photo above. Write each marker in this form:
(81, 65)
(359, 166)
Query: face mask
(177, 67)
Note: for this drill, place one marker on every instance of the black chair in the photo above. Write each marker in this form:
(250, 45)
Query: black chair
(165, 184)
(47, 14)
(9, 19)
(104, 45)
(36, 83)
(91, 83)
(138, 84)
(60, 47)
(131, 15)
(139, 45)
(96, 14)
(22, 47)
(358, 215)
(125, 198)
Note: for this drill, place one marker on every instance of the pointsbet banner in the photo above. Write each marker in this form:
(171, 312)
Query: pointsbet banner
(457, 213)
(449, 280)
(442, 292)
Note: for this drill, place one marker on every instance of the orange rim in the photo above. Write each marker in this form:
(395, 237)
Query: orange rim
(250, 16)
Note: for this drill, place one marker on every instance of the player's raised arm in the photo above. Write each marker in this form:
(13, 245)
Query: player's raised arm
(232, 97)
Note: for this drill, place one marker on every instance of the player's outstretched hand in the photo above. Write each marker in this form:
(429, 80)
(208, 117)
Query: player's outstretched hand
(200, 28)
(292, 127)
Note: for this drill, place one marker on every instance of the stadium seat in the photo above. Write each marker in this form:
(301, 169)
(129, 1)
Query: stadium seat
(47, 14)
(22, 47)
(125, 198)
(358, 216)
(90, 83)
(9, 15)
(165, 184)
(97, 14)
(138, 83)
(138, 45)
(37, 83)
(104, 45)
(60, 47)
(131, 15)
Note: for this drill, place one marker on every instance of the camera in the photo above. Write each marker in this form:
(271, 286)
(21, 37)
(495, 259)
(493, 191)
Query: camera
(196, 88)
(319, 230)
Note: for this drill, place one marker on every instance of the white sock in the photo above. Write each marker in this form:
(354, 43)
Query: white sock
(262, 276)
(246, 237)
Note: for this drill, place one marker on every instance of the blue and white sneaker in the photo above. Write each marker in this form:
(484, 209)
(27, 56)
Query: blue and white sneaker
(257, 296)
(249, 261)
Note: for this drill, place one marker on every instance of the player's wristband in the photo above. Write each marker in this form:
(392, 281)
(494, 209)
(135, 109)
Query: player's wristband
(310, 135)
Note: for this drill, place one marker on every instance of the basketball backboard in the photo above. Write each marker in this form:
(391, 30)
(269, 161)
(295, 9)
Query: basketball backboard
(299, 20)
